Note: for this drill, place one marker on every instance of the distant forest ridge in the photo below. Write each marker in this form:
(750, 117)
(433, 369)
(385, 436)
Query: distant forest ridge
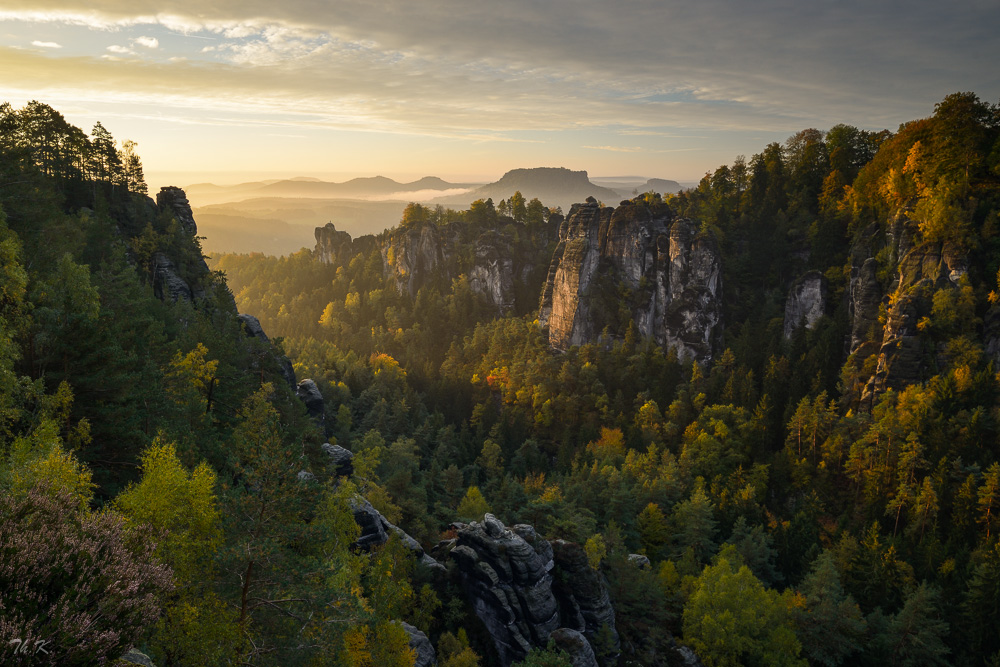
(277, 217)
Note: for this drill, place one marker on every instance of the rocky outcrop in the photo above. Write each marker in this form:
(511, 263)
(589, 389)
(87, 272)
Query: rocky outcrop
(413, 253)
(167, 284)
(174, 200)
(524, 593)
(333, 247)
(492, 275)
(905, 355)
(806, 302)
(137, 657)
(423, 650)
(581, 654)
(310, 395)
(375, 531)
(582, 595)
(641, 561)
(509, 584)
(252, 329)
(341, 459)
(666, 271)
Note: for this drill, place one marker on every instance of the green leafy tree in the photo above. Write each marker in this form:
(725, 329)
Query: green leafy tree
(473, 505)
(731, 620)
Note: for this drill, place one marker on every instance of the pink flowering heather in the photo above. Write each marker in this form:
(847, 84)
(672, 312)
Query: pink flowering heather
(76, 588)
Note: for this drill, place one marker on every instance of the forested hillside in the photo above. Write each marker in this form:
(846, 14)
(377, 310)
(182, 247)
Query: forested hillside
(845, 471)
(816, 486)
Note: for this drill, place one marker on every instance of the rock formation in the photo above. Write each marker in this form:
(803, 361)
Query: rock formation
(166, 283)
(581, 654)
(310, 395)
(493, 273)
(920, 270)
(375, 531)
(333, 247)
(423, 650)
(523, 593)
(806, 302)
(341, 460)
(423, 252)
(411, 254)
(668, 271)
(252, 329)
(173, 199)
(583, 597)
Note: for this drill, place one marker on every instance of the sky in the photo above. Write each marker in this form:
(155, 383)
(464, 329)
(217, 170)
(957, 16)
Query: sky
(230, 90)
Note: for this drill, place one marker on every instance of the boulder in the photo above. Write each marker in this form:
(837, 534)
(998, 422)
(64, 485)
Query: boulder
(137, 657)
(641, 561)
(581, 654)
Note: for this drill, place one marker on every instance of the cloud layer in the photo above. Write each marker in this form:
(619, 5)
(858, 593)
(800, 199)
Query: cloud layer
(481, 71)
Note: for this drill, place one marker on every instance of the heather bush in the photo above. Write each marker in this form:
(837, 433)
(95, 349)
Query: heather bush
(76, 587)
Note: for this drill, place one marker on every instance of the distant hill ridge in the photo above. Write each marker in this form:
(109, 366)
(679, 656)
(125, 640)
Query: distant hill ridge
(554, 186)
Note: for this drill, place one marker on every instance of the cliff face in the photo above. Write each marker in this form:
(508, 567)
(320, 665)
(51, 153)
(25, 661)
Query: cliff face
(167, 281)
(667, 273)
(904, 353)
(806, 302)
(413, 254)
(425, 252)
(493, 272)
(333, 247)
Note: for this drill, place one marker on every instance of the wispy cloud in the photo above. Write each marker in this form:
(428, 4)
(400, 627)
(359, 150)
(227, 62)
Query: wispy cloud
(616, 149)
(669, 72)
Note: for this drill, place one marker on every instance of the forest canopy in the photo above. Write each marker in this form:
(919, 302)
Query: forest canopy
(824, 496)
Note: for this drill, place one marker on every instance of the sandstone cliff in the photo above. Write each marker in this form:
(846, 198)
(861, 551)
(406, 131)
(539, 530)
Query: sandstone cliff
(168, 282)
(426, 253)
(665, 272)
(904, 348)
(806, 302)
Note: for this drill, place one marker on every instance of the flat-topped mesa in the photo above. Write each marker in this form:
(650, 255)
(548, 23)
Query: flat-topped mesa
(662, 268)
(173, 199)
